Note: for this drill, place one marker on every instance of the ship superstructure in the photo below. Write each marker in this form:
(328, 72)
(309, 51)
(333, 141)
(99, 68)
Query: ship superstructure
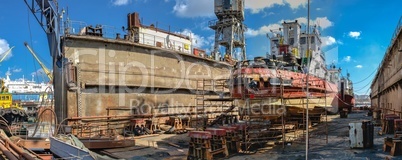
(26, 86)
(289, 44)
(279, 82)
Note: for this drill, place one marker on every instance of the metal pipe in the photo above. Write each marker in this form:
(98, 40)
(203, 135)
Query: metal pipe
(139, 116)
(7, 152)
(16, 148)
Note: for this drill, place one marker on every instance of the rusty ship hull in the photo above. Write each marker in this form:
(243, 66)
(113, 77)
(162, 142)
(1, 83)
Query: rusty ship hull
(150, 74)
(272, 99)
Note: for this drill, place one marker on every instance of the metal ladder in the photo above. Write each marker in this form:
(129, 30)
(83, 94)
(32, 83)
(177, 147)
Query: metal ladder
(200, 105)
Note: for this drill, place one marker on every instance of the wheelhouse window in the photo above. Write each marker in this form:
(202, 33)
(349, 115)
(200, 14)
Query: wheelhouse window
(303, 40)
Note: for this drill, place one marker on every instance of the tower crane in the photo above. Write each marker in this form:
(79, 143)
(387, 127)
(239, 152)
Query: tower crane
(45, 69)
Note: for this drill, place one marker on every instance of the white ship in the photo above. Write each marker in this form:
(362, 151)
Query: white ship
(23, 85)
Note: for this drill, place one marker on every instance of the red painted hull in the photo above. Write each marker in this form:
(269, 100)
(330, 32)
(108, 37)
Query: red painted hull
(347, 101)
(321, 92)
(317, 86)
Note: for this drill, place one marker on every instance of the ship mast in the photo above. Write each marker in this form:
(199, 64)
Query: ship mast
(229, 29)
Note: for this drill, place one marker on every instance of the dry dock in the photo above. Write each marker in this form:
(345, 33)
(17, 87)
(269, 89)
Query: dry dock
(386, 89)
(175, 146)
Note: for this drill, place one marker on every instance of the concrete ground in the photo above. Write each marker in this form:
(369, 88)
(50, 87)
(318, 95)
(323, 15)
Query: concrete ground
(172, 147)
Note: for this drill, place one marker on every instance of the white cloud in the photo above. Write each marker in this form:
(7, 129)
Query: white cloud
(347, 58)
(4, 46)
(322, 21)
(328, 40)
(205, 8)
(359, 66)
(318, 9)
(355, 35)
(39, 73)
(16, 70)
(194, 8)
(268, 14)
(120, 2)
(257, 6)
(294, 4)
(197, 40)
(262, 30)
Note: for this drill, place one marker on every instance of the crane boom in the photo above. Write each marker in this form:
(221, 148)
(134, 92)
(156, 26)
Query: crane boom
(45, 69)
(45, 12)
(5, 54)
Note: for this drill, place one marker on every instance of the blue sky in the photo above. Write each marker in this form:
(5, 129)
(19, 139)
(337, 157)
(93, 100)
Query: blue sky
(356, 33)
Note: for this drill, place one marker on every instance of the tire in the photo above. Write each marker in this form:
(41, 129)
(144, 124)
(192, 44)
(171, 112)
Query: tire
(21, 113)
(14, 111)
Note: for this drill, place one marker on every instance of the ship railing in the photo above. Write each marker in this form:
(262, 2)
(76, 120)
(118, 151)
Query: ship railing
(163, 42)
(78, 28)
(110, 31)
(166, 28)
(74, 27)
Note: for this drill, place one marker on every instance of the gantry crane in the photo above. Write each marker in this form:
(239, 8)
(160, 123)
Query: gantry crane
(45, 69)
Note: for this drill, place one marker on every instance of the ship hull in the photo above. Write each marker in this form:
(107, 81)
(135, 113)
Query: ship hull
(321, 93)
(272, 108)
(345, 102)
(121, 78)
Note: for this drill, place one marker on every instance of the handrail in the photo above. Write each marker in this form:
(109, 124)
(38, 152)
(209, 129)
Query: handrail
(109, 32)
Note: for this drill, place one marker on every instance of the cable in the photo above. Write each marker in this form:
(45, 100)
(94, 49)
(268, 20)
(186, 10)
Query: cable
(363, 87)
(30, 36)
(367, 76)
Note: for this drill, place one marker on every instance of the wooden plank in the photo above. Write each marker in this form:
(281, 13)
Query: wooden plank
(172, 144)
(112, 155)
(126, 149)
(145, 136)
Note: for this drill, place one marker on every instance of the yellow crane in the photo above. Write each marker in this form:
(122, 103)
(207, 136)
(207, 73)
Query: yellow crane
(45, 69)
(9, 110)
(5, 54)
(3, 88)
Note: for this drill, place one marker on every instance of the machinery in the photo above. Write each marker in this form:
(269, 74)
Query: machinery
(229, 29)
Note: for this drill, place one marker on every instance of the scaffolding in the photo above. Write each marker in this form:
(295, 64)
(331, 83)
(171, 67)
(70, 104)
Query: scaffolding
(213, 106)
(248, 114)
(259, 128)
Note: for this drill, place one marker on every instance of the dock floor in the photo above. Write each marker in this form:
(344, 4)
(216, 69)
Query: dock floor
(175, 146)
